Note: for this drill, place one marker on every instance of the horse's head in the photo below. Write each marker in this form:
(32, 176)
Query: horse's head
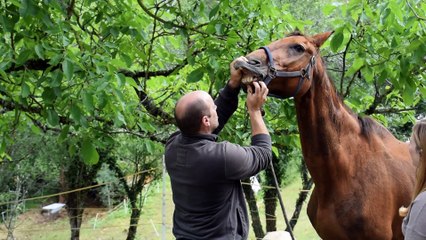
(285, 65)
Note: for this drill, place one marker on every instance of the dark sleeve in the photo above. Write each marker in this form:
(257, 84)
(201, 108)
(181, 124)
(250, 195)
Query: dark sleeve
(415, 221)
(243, 162)
(227, 103)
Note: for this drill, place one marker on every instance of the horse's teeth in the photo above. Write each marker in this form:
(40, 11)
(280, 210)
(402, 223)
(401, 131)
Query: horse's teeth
(247, 79)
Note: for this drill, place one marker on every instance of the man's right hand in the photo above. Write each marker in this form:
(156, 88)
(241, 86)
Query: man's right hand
(256, 96)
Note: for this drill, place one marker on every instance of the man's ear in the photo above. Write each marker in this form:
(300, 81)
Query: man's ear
(205, 121)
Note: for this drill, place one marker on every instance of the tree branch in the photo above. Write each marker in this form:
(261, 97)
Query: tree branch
(146, 10)
(378, 98)
(415, 13)
(152, 108)
(10, 106)
(32, 64)
(44, 128)
(140, 134)
(70, 9)
(147, 75)
(392, 110)
(348, 87)
(344, 63)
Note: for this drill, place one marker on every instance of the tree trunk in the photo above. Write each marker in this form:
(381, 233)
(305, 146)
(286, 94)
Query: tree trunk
(254, 211)
(270, 200)
(75, 213)
(134, 220)
(78, 175)
(62, 182)
(132, 191)
(307, 185)
(270, 194)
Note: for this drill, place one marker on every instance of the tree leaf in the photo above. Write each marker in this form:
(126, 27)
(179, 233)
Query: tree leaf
(68, 69)
(149, 147)
(195, 75)
(88, 101)
(88, 152)
(275, 151)
(133, 83)
(48, 96)
(39, 51)
(64, 133)
(356, 65)
(52, 117)
(2, 146)
(262, 34)
(213, 12)
(408, 95)
(336, 41)
(75, 113)
(25, 90)
(328, 9)
(24, 56)
(119, 119)
(72, 149)
(121, 80)
(423, 91)
(368, 74)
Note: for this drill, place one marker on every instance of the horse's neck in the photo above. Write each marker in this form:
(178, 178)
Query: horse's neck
(324, 125)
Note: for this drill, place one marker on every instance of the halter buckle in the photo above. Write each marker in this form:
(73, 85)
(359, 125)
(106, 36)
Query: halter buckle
(303, 73)
(272, 72)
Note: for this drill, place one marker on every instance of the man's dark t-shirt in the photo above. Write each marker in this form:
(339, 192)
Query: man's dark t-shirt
(205, 177)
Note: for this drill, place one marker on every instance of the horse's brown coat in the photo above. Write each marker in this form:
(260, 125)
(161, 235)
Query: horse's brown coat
(362, 173)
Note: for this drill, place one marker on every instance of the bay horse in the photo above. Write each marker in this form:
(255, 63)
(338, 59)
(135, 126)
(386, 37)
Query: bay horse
(362, 173)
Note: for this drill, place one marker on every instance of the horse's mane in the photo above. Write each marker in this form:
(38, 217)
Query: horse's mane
(368, 125)
(295, 33)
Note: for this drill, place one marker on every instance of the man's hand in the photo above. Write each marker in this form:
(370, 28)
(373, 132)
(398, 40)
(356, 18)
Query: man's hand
(256, 96)
(236, 74)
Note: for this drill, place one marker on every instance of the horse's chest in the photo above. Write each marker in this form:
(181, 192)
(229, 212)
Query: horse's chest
(345, 219)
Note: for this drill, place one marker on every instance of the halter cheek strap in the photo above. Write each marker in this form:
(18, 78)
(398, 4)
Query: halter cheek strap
(273, 73)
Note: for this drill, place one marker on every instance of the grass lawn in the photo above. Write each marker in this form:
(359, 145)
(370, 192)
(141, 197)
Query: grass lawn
(155, 221)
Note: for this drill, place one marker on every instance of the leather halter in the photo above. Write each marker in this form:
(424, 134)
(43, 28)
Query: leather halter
(273, 73)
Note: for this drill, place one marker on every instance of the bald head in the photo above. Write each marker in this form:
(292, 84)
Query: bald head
(190, 109)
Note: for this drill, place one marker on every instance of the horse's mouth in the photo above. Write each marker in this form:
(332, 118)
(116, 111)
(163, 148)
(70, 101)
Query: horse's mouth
(252, 72)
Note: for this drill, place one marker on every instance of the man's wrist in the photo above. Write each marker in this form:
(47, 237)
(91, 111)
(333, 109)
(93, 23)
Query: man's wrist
(255, 111)
(234, 84)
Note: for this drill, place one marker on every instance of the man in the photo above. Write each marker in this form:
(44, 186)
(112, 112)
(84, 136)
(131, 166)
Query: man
(205, 174)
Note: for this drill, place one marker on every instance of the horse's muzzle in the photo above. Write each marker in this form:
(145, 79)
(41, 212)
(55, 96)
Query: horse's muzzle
(253, 70)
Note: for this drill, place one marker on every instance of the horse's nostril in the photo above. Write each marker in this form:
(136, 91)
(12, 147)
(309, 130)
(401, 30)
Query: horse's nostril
(254, 62)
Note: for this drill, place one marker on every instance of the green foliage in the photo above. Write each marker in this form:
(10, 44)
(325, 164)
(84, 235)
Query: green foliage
(32, 169)
(111, 193)
(90, 72)
(383, 61)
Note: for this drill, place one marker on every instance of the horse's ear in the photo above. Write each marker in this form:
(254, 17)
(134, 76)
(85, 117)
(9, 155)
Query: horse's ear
(320, 38)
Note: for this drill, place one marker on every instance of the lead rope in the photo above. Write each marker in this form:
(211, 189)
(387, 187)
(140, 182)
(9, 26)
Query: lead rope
(290, 230)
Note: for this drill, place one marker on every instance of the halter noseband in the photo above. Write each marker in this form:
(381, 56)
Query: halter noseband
(273, 73)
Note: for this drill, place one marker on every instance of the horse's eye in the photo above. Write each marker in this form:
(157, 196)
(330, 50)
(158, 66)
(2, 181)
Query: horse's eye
(298, 48)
